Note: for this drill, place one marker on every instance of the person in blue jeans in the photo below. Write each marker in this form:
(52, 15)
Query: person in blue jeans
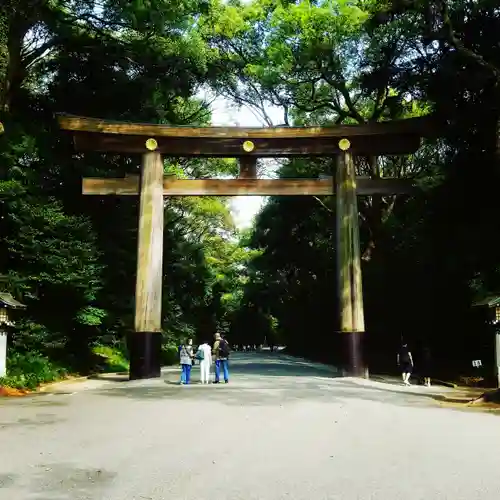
(186, 360)
(221, 354)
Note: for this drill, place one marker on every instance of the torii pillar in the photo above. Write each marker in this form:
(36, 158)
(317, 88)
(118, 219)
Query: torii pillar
(350, 289)
(145, 341)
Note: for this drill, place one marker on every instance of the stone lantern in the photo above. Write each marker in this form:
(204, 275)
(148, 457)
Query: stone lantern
(491, 306)
(7, 305)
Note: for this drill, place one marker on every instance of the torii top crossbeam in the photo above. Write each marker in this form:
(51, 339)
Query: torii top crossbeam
(382, 138)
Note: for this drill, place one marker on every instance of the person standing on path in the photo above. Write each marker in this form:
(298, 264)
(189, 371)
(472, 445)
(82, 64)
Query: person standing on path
(186, 360)
(221, 353)
(204, 355)
(405, 363)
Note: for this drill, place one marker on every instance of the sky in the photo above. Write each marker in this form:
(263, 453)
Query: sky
(243, 208)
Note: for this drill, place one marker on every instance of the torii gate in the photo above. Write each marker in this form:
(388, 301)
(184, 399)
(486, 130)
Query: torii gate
(246, 144)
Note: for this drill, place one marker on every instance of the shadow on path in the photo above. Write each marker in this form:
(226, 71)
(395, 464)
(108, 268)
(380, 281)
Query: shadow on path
(277, 365)
(258, 364)
(261, 379)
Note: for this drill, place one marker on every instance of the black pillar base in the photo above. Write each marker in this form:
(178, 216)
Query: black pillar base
(145, 355)
(353, 362)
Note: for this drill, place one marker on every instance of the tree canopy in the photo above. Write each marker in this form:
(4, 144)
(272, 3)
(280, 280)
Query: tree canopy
(426, 258)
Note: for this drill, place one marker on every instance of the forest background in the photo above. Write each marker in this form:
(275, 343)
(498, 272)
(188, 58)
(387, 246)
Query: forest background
(427, 259)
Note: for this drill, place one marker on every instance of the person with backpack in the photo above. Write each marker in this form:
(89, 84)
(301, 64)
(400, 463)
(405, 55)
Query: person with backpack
(186, 360)
(221, 353)
(204, 356)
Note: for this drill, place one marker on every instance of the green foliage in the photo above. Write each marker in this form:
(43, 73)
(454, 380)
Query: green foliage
(90, 316)
(169, 354)
(114, 360)
(425, 258)
(30, 370)
(72, 259)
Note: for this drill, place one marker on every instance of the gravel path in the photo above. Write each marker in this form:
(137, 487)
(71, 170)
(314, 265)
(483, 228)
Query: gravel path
(281, 429)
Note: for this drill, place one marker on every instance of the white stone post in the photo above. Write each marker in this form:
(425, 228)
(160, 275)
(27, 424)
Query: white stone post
(3, 353)
(497, 356)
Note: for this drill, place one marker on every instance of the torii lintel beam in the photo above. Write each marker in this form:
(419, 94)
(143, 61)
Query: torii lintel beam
(394, 137)
(246, 187)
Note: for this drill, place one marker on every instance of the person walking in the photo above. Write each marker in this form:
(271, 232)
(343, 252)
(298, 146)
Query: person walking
(204, 355)
(221, 354)
(186, 360)
(405, 363)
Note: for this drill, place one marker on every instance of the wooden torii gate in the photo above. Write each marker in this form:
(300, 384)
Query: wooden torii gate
(246, 144)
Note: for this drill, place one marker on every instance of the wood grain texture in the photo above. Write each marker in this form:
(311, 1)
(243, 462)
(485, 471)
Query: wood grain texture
(248, 167)
(229, 147)
(343, 214)
(245, 187)
(350, 291)
(83, 124)
(148, 292)
(358, 321)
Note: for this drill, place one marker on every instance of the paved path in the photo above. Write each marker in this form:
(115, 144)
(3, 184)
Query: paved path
(282, 429)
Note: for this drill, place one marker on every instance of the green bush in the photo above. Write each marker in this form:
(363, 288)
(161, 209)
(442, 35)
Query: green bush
(28, 371)
(113, 359)
(169, 354)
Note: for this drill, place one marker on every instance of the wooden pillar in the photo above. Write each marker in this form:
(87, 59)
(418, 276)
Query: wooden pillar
(350, 293)
(145, 341)
(357, 284)
(248, 167)
(344, 245)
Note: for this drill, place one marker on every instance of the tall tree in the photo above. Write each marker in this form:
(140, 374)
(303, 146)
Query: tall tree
(72, 258)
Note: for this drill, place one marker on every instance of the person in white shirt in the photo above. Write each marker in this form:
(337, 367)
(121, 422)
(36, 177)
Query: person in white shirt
(204, 354)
